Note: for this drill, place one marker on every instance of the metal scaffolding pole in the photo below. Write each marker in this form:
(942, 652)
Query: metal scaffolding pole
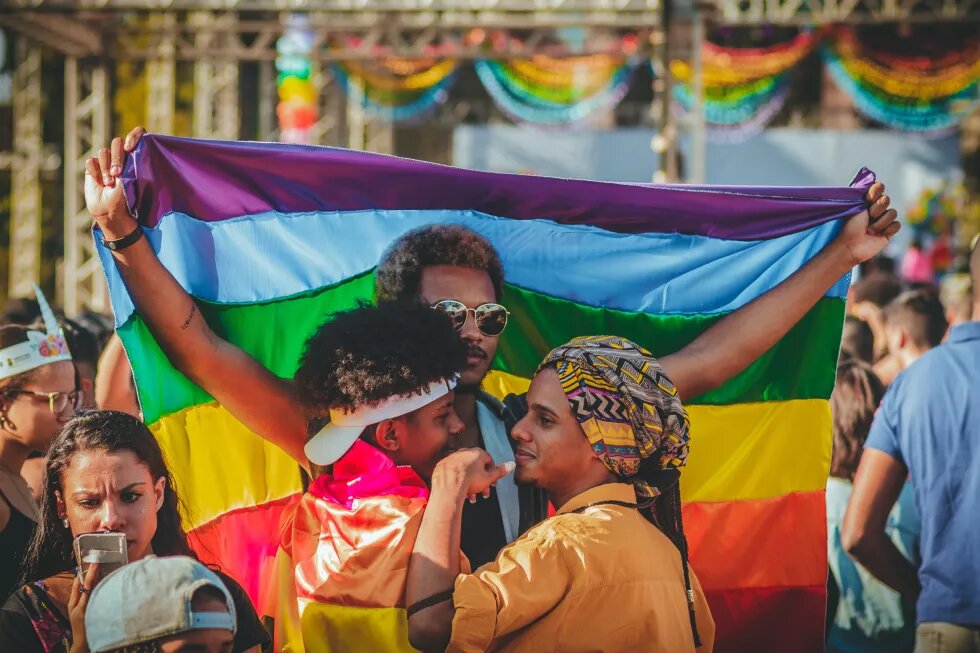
(327, 130)
(355, 117)
(25, 214)
(87, 105)
(216, 111)
(161, 76)
(664, 142)
(699, 153)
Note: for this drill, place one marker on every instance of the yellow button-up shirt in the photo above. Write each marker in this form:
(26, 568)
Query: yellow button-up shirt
(602, 579)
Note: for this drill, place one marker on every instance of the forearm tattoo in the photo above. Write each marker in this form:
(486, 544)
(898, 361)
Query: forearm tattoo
(190, 317)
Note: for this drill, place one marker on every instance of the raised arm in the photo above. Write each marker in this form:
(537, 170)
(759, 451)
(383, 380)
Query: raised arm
(114, 389)
(735, 341)
(261, 400)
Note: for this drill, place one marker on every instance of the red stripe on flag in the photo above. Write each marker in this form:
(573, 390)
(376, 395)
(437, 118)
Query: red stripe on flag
(243, 543)
(779, 542)
(769, 620)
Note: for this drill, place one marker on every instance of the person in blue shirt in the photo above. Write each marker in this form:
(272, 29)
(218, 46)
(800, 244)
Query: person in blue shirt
(868, 616)
(928, 430)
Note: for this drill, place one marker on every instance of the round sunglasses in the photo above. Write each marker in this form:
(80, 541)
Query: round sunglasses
(491, 319)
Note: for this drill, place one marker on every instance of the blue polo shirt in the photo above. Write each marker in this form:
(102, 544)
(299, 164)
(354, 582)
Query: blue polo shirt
(930, 421)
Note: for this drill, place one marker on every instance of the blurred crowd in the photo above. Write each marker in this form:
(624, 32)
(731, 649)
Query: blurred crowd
(904, 469)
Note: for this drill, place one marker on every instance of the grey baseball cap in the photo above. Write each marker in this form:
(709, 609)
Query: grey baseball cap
(151, 599)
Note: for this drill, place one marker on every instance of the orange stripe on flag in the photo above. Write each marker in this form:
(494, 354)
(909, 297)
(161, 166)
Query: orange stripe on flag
(778, 542)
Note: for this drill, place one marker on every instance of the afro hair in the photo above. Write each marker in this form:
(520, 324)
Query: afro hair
(400, 270)
(366, 355)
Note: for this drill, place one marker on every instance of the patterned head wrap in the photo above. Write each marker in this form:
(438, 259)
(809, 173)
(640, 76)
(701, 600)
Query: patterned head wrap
(628, 408)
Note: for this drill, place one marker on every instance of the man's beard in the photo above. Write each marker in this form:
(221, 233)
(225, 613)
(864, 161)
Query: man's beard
(471, 387)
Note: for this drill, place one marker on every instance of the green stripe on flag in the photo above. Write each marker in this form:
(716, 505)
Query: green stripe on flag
(800, 366)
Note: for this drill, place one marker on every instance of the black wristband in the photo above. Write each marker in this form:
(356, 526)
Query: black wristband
(430, 601)
(124, 242)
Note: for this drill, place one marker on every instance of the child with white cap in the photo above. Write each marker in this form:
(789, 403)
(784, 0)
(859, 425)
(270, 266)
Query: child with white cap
(164, 605)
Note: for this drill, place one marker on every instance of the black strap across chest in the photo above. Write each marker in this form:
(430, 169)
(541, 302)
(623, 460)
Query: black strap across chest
(610, 502)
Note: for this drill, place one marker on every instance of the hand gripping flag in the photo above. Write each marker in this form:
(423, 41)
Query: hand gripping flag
(271, 238)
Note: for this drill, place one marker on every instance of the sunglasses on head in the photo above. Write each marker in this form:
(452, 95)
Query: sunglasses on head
(491, 319)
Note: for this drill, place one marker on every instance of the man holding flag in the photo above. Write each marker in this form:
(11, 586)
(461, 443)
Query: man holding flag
(460, 273)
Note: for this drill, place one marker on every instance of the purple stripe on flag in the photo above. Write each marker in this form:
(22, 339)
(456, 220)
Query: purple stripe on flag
(215, 181)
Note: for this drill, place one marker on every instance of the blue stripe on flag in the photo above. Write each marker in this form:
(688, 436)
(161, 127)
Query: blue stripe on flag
(273, 256)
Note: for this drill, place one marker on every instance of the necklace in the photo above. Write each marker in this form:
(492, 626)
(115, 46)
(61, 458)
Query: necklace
(609, 502)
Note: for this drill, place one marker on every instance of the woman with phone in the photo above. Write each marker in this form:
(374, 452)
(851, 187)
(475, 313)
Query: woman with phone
(38, 394)
(105, 474)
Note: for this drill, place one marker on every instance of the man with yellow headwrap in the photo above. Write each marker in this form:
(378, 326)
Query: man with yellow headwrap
(605, 437)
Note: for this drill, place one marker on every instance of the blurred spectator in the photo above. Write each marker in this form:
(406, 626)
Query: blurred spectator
(99, 325)
(20, 310)
(868, 616)
(115, 388)
(954, 291)
(84, 347)
(34, 404)
(917, 264)
(878, 265)
(173, 604)
(928, 429)
(914, 323)
(868, 298)
(857, 341)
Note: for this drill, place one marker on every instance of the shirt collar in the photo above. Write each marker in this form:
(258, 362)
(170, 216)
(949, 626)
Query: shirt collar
(965, 331)
(605, 492)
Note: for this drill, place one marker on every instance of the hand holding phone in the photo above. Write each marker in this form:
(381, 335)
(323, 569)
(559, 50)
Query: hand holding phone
(107, 550)
(81, 590)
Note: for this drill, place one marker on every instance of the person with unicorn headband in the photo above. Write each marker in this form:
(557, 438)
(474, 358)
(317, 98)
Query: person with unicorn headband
(38, 394)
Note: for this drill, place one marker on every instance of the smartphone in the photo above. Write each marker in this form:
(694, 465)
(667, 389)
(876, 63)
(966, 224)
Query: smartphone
(106, 549)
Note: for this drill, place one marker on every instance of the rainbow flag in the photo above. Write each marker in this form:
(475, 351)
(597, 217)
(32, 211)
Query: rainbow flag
(271, 239)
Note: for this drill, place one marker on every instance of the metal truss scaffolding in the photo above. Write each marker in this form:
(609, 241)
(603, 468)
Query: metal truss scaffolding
(807, 12)
(161, 77)
(86, 130)
(217, 36)
(216, 112)
(25, 214)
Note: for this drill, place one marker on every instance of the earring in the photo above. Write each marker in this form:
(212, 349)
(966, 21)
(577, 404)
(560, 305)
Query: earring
(65, 522)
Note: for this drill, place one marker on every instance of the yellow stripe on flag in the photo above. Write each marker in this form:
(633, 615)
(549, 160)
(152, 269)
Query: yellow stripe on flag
(742, 451)
(738, 452)
(263, 472)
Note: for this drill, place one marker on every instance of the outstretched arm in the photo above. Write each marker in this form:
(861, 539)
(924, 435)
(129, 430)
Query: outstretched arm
(261, 400)
(734, 342)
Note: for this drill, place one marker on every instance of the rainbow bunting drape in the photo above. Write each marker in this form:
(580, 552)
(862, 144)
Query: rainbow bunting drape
(398, 90)
(556, 92)
(744, 88)
(273, 238)
(908, 93)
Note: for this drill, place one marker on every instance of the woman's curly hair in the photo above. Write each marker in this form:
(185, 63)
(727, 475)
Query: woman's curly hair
(374, 352)
(400, 269)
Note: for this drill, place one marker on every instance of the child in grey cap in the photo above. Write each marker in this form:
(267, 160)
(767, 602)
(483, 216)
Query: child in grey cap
(160, 604)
